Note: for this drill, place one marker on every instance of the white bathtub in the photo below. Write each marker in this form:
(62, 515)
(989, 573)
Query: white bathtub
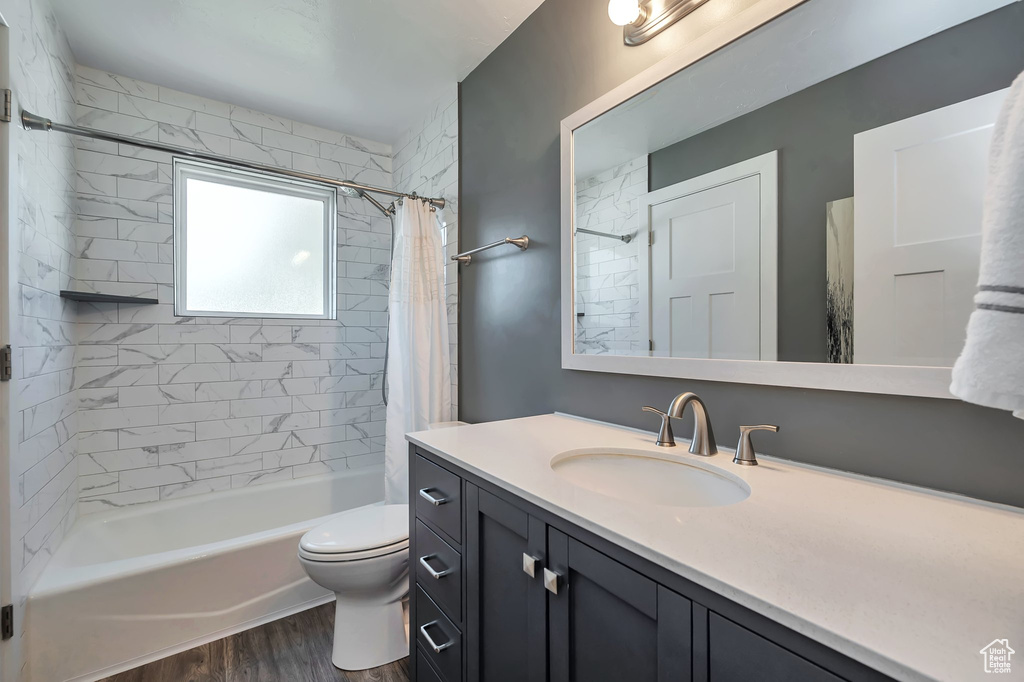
(133, 585)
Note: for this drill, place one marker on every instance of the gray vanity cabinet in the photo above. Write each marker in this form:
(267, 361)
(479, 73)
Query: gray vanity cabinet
(504, 591)
(506, 606)
(608, 622)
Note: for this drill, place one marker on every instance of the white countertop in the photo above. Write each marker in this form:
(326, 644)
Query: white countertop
(907, 581)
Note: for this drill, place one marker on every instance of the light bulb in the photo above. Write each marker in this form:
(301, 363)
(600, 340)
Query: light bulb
(623, 12)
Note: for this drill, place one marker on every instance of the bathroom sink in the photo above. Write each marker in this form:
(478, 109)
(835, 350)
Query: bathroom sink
(650, 478)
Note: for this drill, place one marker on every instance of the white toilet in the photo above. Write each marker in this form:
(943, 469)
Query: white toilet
(363, 556)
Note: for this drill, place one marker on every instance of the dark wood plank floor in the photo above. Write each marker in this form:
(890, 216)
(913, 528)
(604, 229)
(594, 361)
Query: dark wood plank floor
(293, 649)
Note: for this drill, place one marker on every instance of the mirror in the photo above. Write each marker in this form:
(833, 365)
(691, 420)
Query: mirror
(809, 193)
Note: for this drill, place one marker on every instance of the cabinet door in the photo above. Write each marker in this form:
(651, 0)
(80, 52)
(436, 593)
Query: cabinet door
(609, 623)
(505, 607)
(739, 655)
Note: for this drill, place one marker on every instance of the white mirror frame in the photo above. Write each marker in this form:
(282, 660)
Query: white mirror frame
(931, 382)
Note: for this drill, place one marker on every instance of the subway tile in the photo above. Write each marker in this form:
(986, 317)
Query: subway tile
(143, 436)
(193, 412)
(149, 477)
(290, 387)
(228, 390)
(260, 406)
(226, 428)
(194, 333)
(290, 457)
(268, 334)
(194, 373)
(178, 453)
(117, 418)
(130, 354)
(188, 488)
(106, 502)
(261, 477)
(229, 352)
(291, 422)
(157, 395)
(97, 484)
(244, 445)
(227, 466)
(122, 375)
(290, 351)
(117, 460)
(225, 127)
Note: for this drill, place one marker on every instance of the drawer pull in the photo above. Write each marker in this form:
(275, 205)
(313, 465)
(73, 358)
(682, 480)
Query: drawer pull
(529, 565)
(438, 648)
(433, 499)
(436, 575)
(550, 581)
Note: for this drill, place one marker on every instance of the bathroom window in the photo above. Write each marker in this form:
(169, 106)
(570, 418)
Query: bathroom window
(250, 244)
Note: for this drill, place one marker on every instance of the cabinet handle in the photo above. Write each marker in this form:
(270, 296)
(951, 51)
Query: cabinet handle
(530, 565)
(433, 499)
(438, 648)
(436, 575)
(551, 581)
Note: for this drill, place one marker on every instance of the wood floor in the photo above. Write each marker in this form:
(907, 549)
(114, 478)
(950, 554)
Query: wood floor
(293, 649)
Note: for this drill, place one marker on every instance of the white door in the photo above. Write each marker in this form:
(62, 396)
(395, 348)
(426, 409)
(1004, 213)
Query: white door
(712, 264)
(918, 190)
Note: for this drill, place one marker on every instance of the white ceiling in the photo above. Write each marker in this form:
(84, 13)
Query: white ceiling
(365, 67)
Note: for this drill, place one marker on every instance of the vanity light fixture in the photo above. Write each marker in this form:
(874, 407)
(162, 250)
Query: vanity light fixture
(624, 12)
(641, 20)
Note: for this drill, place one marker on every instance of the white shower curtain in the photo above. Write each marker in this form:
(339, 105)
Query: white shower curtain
(419, 372)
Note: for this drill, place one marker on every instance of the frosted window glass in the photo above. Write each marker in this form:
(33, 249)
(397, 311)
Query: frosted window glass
(253, 251)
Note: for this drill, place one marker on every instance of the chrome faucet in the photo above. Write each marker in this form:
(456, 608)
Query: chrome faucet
(703, 442)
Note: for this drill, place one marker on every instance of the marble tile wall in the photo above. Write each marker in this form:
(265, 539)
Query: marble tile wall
(426, 161)
(172, 406)
(44, 427)
(607, 289)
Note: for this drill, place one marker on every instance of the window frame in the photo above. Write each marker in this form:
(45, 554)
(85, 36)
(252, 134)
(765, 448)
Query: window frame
(185, 169)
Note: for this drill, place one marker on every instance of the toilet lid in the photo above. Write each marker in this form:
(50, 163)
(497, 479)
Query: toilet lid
(359, 529)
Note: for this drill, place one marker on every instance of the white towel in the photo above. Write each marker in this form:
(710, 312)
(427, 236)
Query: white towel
(990, 370)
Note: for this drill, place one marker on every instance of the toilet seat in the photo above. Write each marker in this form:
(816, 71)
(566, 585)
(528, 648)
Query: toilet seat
(361, 533)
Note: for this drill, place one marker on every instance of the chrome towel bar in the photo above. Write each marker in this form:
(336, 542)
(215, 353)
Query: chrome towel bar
(625, 238)
(466, 257)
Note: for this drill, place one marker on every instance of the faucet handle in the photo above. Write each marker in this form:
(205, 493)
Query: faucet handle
(665, 437)
(745, 449)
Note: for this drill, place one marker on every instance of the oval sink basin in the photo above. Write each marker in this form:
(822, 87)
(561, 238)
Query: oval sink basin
(646, 477)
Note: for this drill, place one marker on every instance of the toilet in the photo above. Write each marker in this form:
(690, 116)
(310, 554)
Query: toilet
(362, 555)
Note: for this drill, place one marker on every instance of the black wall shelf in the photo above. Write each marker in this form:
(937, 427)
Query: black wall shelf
(91, 297)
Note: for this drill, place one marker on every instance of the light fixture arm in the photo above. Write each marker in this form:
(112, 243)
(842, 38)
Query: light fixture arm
(655, 17)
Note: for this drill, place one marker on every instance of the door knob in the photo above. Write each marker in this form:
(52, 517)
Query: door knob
(529, 565)
(550, 581)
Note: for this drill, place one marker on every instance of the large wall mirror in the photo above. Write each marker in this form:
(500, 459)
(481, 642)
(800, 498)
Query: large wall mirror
(793, 199)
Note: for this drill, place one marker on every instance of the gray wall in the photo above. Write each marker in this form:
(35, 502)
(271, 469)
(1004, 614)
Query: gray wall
(564, 56)
(813, 131)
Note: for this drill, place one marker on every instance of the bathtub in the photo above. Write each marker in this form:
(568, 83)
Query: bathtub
(129, 586)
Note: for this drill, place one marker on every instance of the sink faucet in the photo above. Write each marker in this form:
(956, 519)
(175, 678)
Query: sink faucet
(703, 442)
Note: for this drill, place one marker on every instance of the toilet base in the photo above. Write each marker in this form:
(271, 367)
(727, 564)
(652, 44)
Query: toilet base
(368, 635)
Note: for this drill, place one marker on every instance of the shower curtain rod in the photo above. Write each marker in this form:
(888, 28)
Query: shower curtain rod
(354, 189)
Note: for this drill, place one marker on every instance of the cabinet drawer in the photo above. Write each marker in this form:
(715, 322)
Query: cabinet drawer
(439, 571)
(438, 497)
(434, 631)
(424, 671)
(739, 655)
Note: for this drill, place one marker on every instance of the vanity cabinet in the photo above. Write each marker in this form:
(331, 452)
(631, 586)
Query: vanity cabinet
(609, 622)
(542, 600)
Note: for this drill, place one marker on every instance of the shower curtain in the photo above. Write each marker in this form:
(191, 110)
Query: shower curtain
(419, 374)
